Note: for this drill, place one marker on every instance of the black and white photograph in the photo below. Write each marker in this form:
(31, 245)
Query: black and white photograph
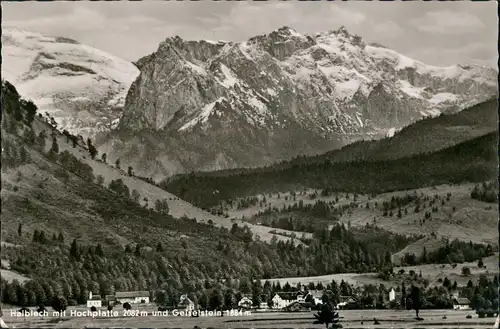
(244, 164)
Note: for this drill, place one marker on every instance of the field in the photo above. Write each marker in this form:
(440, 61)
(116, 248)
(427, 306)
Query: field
(432, 272)
(460, 217)
(348, 318)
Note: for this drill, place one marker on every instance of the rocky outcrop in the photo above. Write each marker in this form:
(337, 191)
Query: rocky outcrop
(215, 105)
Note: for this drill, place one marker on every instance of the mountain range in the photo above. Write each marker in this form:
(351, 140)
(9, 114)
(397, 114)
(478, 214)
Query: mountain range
(205, 105)
(81, 87)
(202, 105)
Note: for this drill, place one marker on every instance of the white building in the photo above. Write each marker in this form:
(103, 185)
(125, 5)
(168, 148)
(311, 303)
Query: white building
(317, 296)
(392, 295)
(283, 299)
(186, 304)
(94, 300)
(461, 304)
(132, 297)
(245, 302)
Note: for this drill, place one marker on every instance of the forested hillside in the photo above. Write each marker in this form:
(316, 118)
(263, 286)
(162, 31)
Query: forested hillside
(472, 161)
(70, 233)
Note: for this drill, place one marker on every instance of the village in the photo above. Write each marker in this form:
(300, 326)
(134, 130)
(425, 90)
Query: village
(284, 301)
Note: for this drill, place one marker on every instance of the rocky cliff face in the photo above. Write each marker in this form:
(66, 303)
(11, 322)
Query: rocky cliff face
(203, 105)
(81, 87)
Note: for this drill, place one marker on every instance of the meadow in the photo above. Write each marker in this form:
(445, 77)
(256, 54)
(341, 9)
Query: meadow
(348, 319)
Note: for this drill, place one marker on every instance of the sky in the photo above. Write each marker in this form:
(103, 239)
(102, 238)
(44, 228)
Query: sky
(434, 32)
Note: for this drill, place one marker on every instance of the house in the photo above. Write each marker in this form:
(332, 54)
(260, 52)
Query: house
(461, 303)
(263, 305)
(109, 300)
(345, 300)
(94, 300)
(392, 295)
(297, 307)
(132, 297)
(246, 301)
(282, 299)
(186, 304)
(316, 295)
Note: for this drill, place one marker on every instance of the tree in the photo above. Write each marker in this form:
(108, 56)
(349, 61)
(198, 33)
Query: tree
(215, 300)
(130, 171)
(74, 251)
(92, 149)
(117, 163)
(403, 295)
(480, 263)
(161, 206)
(98, 250)
(103, 157)
(30, 109)
(415, 298)
(40, 141)
(30, 137)
(127, 306)
(159, 247)
(20, 229)
(135, 196)
(119, 187)
(161, 298)
(466, 271)
(59, 304)
(54, 148)
(326, 316)
(99, 180)
(244, 286)
(229, 299)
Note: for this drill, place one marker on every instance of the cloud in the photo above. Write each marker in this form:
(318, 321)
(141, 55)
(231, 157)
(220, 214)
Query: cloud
(448, 22)
(83, 20)
(345, 16)
(471, 53)
(422, 30)
(79, 18)
(389, 29)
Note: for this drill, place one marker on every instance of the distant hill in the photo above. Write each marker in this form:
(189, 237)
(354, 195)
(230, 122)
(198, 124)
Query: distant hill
(427, 135)
(470, 161)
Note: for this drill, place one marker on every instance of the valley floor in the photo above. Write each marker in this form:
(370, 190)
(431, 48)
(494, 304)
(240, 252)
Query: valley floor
(348, 319)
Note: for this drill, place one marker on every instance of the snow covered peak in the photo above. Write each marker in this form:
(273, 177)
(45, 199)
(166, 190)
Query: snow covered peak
(80, 86)
(288, 31)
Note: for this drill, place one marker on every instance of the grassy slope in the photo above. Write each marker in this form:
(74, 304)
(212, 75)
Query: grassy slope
(471, 220)
(178, 208)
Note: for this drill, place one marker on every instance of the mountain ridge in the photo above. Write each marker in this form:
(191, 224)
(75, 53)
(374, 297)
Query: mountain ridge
(331, 88)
